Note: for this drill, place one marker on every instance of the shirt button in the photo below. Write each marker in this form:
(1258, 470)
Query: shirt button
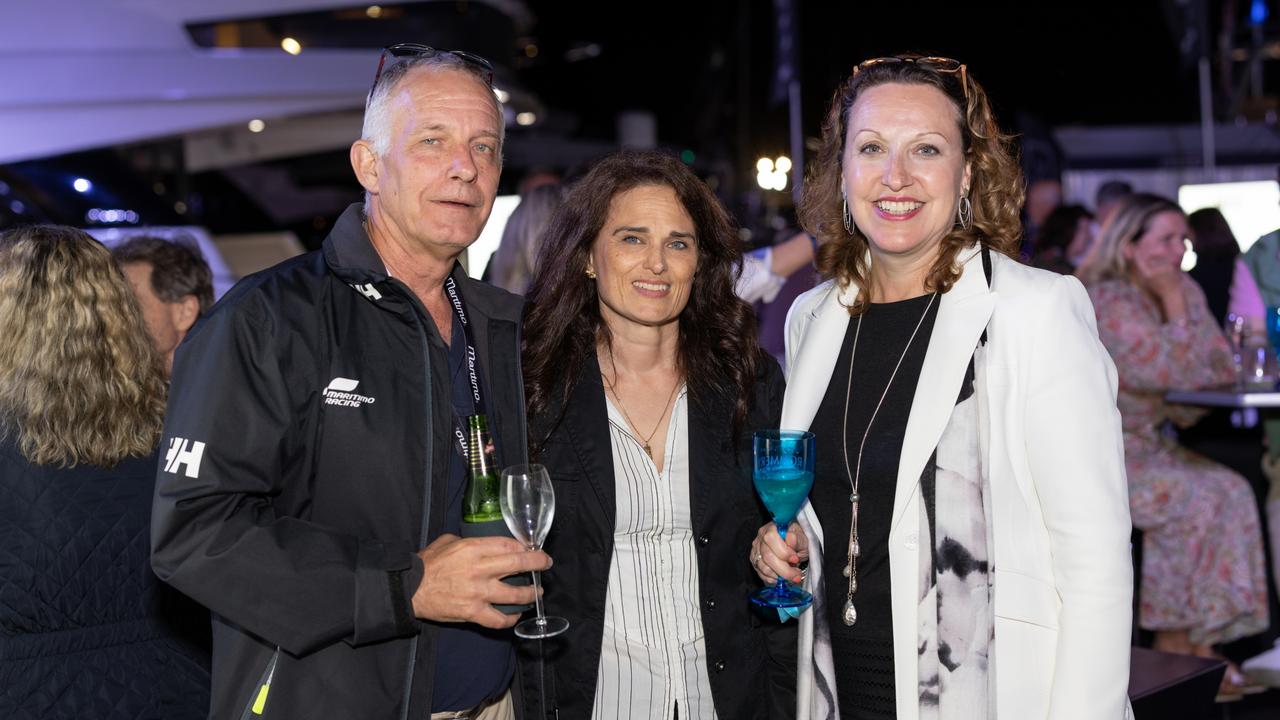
(719, 666)
(912, 542)
(704, 539)
(710, 604)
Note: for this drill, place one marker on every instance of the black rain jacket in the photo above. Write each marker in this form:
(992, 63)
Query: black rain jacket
(303, 466)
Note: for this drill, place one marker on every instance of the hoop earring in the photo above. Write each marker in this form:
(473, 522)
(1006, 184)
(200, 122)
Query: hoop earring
(848, 219)
(964, 212)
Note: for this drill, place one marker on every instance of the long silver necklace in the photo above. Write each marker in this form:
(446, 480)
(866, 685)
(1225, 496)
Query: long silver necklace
(850, 614)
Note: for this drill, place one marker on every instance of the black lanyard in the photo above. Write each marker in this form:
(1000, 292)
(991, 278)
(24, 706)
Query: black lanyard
(472, 361)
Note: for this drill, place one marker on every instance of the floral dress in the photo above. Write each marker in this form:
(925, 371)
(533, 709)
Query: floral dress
(1202, 567)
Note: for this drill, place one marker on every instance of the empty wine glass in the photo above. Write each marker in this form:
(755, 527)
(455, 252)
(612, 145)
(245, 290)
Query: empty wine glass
(528, 504)
(783, 475)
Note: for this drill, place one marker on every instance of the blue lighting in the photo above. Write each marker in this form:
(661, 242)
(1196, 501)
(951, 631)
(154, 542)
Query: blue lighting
(1258, 12)
(82, 185)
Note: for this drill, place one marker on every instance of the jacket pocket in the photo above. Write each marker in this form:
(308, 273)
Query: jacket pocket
(1026, 599)
(256, 707)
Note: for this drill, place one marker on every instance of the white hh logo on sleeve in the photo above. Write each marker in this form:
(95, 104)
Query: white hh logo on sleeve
(341, 392)
(184, 453)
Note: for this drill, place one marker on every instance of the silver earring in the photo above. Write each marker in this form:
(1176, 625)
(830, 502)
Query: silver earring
(964, 212)
(848, 219)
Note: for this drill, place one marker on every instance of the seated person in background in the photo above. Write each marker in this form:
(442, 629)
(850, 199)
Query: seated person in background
(1064, 239)
(1226, 281)
(1203, 582)
(173, 285)
(1263, 260)
(86, 629)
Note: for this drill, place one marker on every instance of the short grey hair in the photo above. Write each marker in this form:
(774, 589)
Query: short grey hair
(377, 130)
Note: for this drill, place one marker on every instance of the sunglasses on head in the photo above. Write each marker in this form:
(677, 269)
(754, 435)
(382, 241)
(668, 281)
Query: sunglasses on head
(937, 64)
(415, 50)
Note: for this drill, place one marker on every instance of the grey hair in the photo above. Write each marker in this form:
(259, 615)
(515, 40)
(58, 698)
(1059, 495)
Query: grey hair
(377, 131)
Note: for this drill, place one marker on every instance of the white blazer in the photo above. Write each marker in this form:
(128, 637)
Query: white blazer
(1053, 458)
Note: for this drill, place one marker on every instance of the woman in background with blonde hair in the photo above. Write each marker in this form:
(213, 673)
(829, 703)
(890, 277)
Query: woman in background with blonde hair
(1203, 581)
(85, 627)
(515, 257)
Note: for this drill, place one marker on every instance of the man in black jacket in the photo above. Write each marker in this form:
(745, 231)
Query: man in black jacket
(310, 483)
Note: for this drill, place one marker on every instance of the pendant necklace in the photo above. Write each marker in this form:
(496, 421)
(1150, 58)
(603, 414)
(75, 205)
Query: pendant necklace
(635, 431)
(850, 614)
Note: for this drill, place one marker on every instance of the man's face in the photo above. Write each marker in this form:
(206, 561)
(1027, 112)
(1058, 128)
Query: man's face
(167, 322)
(435, 185)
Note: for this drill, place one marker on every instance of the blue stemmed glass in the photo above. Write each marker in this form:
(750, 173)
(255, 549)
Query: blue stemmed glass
(783, 475)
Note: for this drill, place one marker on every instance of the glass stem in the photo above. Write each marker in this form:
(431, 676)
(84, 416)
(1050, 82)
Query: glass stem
(537, 598)
(781, 585)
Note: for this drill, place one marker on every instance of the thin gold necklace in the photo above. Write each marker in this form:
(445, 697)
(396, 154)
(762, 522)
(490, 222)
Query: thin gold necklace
(850, 614)
(635, 431)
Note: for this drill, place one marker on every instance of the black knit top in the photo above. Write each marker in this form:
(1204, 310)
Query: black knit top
(863, 654)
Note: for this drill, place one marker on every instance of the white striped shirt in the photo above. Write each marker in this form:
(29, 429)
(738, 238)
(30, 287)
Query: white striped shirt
(653, 655)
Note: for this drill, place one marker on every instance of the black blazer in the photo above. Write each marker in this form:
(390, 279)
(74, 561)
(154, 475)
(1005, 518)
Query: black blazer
(743, 645)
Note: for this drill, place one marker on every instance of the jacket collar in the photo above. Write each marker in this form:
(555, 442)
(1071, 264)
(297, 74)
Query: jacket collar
(348, 251)
(351, 256)
(709, 442)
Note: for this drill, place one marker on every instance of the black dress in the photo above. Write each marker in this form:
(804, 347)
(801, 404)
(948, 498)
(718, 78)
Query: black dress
(863, 653)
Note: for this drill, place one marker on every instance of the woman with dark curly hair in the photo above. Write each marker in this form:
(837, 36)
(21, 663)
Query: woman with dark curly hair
(86, 629)
(644, 381)
(967, 534)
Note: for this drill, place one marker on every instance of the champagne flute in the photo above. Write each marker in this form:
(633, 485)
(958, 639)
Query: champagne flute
(783, 475)
(528, 504)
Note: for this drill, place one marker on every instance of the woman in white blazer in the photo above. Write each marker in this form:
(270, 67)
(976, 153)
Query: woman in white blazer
(967, 535)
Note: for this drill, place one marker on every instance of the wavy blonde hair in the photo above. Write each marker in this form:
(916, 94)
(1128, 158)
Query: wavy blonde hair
(82, 383)
(996, 188)
(1129, 222)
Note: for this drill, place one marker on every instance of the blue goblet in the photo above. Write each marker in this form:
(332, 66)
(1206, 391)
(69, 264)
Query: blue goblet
(783, 475)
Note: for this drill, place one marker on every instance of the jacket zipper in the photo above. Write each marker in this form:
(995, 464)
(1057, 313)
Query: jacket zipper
(426, 498)
(258, 703)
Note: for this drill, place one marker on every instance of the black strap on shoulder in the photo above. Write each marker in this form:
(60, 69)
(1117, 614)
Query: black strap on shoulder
(986, 270)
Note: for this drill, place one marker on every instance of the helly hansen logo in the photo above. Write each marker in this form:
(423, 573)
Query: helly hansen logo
(367, 290)
(341, 392)
(184, 455)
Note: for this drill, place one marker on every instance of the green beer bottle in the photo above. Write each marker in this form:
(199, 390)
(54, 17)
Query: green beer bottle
(480, 504)
(481, 513)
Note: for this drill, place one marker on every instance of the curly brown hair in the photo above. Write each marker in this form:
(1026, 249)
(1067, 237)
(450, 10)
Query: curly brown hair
(996, 186)
(717, 351)
(82, 383)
